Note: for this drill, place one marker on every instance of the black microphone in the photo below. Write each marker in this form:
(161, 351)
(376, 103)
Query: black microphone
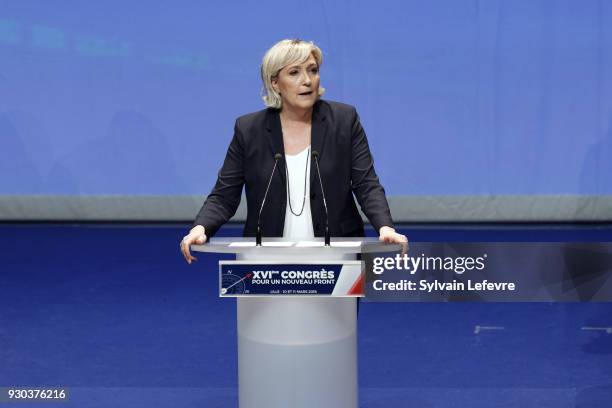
(315, 154)
(277, 157)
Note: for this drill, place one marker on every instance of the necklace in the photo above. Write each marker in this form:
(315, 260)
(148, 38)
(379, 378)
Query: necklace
(289, 189)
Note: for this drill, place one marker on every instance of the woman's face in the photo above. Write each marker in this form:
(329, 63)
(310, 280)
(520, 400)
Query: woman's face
(298, 84)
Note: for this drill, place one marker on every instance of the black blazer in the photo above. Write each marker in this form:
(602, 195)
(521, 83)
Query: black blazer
(346, 167)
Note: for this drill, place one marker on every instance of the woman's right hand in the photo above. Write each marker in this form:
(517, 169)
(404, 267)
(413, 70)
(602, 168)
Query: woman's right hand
(197, 236)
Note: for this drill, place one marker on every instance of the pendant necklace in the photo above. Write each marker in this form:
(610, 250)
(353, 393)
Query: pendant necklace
(289, 190)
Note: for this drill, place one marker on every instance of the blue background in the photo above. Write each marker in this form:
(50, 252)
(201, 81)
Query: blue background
(457, 97)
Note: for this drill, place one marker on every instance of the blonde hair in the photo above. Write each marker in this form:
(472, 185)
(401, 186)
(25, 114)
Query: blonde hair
(283, 53)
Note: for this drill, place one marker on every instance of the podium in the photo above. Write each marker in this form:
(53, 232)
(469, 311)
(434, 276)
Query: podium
(295, 350)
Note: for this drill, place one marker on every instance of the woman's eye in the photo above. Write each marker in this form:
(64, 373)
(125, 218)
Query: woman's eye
(314, 70)
(292, 72)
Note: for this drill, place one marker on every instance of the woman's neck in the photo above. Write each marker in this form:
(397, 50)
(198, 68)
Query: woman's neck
(289, 115)
(296, 126)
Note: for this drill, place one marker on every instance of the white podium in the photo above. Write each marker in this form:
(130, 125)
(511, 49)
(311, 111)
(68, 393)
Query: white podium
(295, 351)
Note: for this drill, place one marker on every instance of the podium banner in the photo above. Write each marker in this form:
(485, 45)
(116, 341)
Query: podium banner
(250, 278)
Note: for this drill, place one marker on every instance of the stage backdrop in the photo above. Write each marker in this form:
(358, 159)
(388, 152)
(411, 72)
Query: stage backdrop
(475, 110)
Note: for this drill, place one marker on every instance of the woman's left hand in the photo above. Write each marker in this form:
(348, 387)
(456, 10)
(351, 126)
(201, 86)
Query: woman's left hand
(389, 236)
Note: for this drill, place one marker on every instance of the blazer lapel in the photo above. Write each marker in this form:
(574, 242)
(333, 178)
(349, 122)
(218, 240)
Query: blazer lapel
(317, 139)
(275, 139)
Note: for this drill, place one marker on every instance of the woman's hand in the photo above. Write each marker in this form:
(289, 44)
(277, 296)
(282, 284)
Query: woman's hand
(197, 236)
(389, 236)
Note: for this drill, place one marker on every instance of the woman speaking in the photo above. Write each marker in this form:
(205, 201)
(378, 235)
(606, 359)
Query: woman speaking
(297, 132)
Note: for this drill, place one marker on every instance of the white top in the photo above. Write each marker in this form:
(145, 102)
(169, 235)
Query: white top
(298, 227)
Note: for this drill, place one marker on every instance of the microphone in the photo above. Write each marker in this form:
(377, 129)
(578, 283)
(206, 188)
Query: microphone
(277, 157)
(315, 154)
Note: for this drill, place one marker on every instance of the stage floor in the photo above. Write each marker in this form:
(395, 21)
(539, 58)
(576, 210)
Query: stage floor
(113, 312)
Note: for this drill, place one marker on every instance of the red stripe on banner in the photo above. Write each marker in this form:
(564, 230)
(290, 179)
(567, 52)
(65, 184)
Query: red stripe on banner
(357, 288)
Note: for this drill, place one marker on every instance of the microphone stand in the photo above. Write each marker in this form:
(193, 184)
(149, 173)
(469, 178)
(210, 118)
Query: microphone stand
(315, 154)
(277, 157)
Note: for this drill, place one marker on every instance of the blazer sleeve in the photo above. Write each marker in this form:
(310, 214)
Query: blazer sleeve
(222, 202)
(369, 192)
